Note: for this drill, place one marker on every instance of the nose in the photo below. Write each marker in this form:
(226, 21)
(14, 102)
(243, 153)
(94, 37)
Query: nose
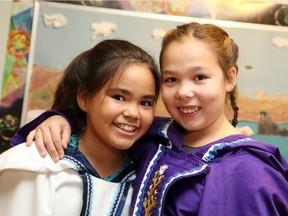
(185, 90)
(132, 111)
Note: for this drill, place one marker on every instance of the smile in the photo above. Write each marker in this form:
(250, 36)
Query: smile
(188, 110)
(125, 127)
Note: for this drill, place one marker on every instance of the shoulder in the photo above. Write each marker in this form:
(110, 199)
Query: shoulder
(250, 183)
(246, 173)
(241, 144)
(25, 174)
(19, 154)
(21, 157)
(245, 154)
(251, 160)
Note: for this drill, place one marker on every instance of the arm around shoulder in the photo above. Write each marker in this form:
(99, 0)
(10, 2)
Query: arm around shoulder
(22, 133)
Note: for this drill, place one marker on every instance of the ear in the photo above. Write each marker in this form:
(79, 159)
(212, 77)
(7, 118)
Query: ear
(82, 99)
(232, 79)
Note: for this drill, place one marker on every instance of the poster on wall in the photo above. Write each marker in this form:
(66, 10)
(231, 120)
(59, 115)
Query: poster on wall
(62, 32)
(14, 74)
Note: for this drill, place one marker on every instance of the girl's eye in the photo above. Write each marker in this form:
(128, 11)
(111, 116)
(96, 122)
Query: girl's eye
(170, 80)
(118, 97)
(200, 77)
(146, 103)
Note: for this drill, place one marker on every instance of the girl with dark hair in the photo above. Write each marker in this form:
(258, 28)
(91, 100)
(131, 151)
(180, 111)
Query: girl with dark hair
(109, 94)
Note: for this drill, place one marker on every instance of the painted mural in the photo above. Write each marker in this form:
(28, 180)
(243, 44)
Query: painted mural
(14, 74)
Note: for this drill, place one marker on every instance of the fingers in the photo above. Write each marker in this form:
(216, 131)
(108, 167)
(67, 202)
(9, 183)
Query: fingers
(53, 142)
(55, 137)
(39, 142)
(37, 135)
(51, 136)
(30, 138)
(66, 135)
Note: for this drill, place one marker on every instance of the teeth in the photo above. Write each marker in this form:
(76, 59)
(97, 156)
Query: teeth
(125, 127)
(191, 110)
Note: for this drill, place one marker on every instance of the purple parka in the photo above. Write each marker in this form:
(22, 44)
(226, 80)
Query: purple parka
(233, 176)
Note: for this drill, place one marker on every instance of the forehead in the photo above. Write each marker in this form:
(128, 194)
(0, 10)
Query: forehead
(189, 46)
(133, 73)
(189, 53)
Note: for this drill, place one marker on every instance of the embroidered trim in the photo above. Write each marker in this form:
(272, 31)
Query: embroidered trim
(87, 184)
(150, 200)
(121, 197)
(163, 129)
(176, 176)
(89, 196)
(153, 162)
(74, 163)
(215, 150)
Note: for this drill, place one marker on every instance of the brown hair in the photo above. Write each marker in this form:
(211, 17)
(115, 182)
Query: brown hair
(219, 41)
(92, 69)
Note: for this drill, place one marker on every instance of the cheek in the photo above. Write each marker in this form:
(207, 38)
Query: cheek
(167, 95)
(216, 89)
(147, 119)
(215, 96)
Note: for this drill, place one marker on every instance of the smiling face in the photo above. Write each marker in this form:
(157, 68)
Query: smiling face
(193, 85)
(122, 111)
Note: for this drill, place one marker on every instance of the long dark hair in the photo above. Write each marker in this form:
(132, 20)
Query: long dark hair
(92, 69)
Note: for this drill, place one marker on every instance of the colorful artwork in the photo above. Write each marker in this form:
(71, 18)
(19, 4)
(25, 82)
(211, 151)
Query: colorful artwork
(42, 87)
(261, 12)
(13, 79)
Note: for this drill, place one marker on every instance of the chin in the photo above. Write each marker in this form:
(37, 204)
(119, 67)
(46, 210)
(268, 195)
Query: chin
(124, 146)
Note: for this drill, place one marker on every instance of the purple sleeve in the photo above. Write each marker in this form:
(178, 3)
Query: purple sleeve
(22, 133)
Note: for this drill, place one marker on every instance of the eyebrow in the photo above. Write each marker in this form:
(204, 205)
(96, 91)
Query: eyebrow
(191, 69)
(127, 92)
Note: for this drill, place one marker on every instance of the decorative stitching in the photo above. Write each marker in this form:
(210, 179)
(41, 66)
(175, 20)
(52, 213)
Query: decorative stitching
(215, 150)
(153, 162)
(162, 131)
(79, 166)
(89, 194)
(150, 200)
(120, 192)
